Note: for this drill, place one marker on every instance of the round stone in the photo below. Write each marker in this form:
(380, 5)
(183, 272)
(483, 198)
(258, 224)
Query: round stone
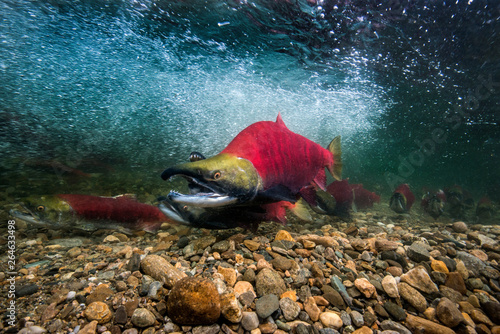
(330, 320)
(98, 311)
(249, 321)
(194, 301)
(459, 227)
(142, 318)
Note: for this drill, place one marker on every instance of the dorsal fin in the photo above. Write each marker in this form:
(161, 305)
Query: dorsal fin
(279, 120)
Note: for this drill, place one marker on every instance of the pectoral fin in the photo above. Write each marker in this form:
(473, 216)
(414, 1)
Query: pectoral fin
(276, 194)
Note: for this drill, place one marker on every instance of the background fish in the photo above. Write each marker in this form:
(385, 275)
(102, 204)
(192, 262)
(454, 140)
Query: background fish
(402, 199)
(119, 212)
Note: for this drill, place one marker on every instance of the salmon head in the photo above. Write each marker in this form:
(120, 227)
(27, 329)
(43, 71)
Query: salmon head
(220, 180)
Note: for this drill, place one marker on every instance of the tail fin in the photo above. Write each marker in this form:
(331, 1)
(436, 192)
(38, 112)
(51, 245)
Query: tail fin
(336, 150)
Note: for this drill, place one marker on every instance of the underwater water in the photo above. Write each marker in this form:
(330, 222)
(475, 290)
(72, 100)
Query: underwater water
(98, 97)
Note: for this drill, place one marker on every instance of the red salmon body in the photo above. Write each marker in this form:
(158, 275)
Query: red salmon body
(281, 156)
(363, 198)
(120, 209)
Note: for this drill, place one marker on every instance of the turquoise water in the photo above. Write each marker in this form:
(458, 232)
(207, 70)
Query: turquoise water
(120, 90)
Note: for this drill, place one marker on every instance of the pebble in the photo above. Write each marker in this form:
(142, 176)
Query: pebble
(289, 308)
(283, 235)
(455, 281)
(492, 310)
(439, 266)
(121, 315)
(459, 227)
(269, 281)
(396, 311)
(212, 329)
(471, 263)
(98, 311)
(389, 325)
(230, 308)
(412, 296)
(480, 317)
(74, 252)
(267, 305)
(26, 290)
(363, 330)
(100, 294)
(421, 325)
(331, 320)
(312, 309)
(448, 313)
(418, 252)
(90, 328)
(142, 318)
(229, 275)
(194, 301)
(420, 279)
(249, 321)
(390, 286)
(111, 239)
(242, 287)
(161, 270)
(365, 287)
(357, 319)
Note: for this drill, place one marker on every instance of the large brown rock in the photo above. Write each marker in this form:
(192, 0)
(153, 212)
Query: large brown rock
(161, 270)
(421, 325)
(194, 301)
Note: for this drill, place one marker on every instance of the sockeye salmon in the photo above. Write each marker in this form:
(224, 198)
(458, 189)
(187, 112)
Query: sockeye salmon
(265, 163)
(120, 212)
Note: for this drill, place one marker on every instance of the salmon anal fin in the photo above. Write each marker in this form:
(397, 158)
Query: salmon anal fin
(336, 150)
(301, 210)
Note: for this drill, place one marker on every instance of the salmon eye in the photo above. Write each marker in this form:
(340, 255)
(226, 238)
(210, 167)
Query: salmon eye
(40, 208)
(217, 175)
(185, 208)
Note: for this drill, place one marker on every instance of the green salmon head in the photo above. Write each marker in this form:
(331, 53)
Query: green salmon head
(217, 181)
(44, 210)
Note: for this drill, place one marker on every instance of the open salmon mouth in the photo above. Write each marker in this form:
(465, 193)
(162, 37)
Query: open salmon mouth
(202, 199)
(201, 194)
